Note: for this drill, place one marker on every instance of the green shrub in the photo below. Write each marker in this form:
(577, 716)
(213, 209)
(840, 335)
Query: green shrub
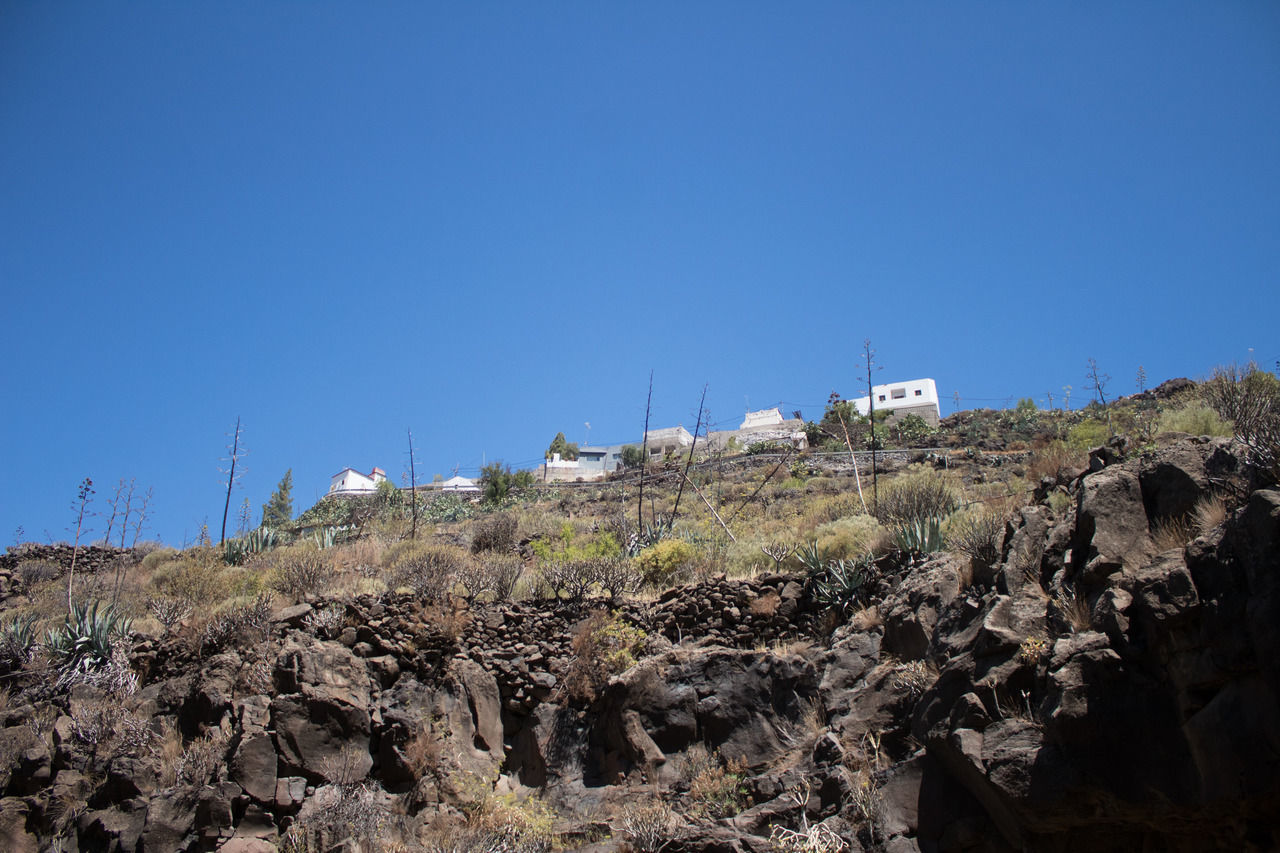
(849, 538)
(603, 646)
(917, 495)
(1088, 434)
(1195, 420)
(632, 456)
(660, 564)
(912, 428)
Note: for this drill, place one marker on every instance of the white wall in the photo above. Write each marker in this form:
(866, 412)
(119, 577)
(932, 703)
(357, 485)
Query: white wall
(914, 392)
(351, 481)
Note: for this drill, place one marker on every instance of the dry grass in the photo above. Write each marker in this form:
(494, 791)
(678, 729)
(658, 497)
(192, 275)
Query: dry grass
(1049, 459)
(1171, 534)
(1210, 513)
(1074, 608)
(867, 618)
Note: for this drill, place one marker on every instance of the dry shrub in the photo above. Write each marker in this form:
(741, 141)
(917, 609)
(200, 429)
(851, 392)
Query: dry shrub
(977, 533)
(430, 570)
(767, 604)
(450, 621)
(913, 677)
(492, 573)
(197, 762)
(851, 537)
(498, 533)
(716, 787)
(301, 574)
(1250, 398)
(647, 825)
(822, 485)
(35, 572)
(574, 578)
(242, 622)
(362, 556)
(156, 558)
(866, 619)
(745, 559)
(1209, 513)
(1051, 458)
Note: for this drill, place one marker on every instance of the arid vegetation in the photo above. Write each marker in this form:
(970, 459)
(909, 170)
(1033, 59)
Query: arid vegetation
(774, 559)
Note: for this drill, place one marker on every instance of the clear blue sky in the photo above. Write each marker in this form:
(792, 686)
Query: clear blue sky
(489, 221)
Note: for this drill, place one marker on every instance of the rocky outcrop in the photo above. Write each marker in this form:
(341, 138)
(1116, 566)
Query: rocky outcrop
(1091, 689)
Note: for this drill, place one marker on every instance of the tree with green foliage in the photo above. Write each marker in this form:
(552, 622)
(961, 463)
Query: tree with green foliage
(278, 511)
(497, 481)
(632, 456)
(568, 450)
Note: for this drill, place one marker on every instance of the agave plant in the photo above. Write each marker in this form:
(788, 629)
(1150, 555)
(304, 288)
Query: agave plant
(840, 585)
(84, 640)
(811, 558)
(652, 534)
(258, 541)
(328, 536)
(919, 536)
(17, 640)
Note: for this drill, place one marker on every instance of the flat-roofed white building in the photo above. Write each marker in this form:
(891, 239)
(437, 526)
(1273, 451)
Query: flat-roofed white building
(763, 418)
(910, 397)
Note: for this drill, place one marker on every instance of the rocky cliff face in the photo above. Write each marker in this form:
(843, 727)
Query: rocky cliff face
(1098, 688)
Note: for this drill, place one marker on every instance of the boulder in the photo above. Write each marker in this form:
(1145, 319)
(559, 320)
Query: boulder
(1111, 524)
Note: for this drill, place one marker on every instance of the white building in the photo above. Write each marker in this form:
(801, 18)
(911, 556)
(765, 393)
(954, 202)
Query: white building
(349, 481)
(912, 397)
(459, 484)
(672, 440)
(763, 418)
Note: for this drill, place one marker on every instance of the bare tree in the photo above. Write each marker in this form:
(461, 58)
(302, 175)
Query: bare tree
(853, 457)
(869, 355)
(128, 511)
(235, 451)
(116, 500)
(696, 429)
(1096, 380)
(413, 486)
(81, 508)
(143, 513)
(644, 449)
(1142, 379)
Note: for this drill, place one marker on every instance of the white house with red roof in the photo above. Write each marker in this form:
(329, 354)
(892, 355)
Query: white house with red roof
(349, 481)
